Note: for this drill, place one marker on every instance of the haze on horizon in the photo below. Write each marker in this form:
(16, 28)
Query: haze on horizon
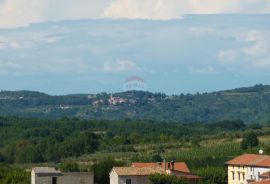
(62, 47)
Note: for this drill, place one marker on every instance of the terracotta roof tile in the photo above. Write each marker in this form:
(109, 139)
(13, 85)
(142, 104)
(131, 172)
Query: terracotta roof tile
(251, 160)
(262, 182)
(178, 166)
(265, 175)
(136, 171)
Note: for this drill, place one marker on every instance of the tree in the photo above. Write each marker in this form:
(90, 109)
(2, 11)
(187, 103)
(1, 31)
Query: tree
(69, 167)
(103, 169)
(213, 175)
(166, 179)
(157, 158)
(249, 140)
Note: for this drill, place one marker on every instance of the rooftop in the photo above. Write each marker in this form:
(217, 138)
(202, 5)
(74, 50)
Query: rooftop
(265, 175)
(251, 160)
(178, 166)
(262, 182)
(136, 171)
(45, 170)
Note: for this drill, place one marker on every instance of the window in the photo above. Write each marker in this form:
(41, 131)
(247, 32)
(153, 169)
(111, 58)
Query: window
(239, 176)
(54, 180)
(251, 177)
(128, 181)
(233, 175)
(243, 174)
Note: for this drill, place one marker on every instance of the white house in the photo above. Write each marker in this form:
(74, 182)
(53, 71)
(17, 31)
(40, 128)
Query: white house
(247, 168)
(138, 173)
(48, 175)
(132, 175)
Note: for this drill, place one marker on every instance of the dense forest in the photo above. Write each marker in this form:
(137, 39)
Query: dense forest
(29, 140)
(250, 104)
(73, 144)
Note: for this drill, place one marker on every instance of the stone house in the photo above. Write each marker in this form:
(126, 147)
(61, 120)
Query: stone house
(48, 175)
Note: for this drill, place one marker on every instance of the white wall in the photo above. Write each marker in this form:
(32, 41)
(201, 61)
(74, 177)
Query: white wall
(113, 177)
(67, 178)
(134, 179)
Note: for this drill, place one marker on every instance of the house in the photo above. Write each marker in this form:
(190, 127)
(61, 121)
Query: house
(48, 175)
(247, 168)
(116, 100)
(138, 173)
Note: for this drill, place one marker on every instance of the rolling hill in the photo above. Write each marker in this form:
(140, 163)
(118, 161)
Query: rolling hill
(250, 104)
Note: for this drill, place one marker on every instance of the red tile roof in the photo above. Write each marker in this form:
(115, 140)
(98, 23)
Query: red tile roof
(262, 182)
(265, 175)
(178, 166)
(136, 171)
(251, 160)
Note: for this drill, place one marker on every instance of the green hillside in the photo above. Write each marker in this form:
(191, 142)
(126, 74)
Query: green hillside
(251, 104)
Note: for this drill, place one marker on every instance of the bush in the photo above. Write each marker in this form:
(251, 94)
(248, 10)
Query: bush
(166, 179)
(250, 140)
(103, 169)
(69, 167)
(213, 175)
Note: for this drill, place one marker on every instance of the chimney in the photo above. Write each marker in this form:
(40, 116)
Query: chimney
(172, 164)
(169, 166)
(164, 162)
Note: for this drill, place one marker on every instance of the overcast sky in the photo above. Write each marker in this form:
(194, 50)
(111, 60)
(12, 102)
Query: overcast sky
(109, 40)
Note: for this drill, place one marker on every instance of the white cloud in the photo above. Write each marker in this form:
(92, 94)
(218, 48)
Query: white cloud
(254, 55)
(120, 66)
(15, 13)
(171, 9)
(20, 12)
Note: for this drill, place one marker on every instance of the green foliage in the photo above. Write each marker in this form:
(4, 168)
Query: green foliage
(69, 167)
(250, 140)
(157, 158)
(166, 179)
(25, 140)
(213, 175)
(102, 170)
(10, 175)
(249, 104)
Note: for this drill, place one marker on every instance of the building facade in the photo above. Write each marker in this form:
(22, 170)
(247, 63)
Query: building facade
(247, 168)
(47, 175)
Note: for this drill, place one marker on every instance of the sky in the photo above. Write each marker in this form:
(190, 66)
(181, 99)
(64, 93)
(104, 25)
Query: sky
(86, 46)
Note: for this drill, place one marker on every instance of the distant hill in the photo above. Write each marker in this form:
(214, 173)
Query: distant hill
(251, 104)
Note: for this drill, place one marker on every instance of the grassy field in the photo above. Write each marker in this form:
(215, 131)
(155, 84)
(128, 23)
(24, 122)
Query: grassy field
(209, 152)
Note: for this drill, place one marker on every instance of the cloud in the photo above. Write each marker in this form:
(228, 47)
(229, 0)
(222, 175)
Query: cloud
(16, 13)
(120, 66)
(173, 9)
(253, 55)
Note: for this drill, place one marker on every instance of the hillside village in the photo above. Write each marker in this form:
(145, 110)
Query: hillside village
(249, 104)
